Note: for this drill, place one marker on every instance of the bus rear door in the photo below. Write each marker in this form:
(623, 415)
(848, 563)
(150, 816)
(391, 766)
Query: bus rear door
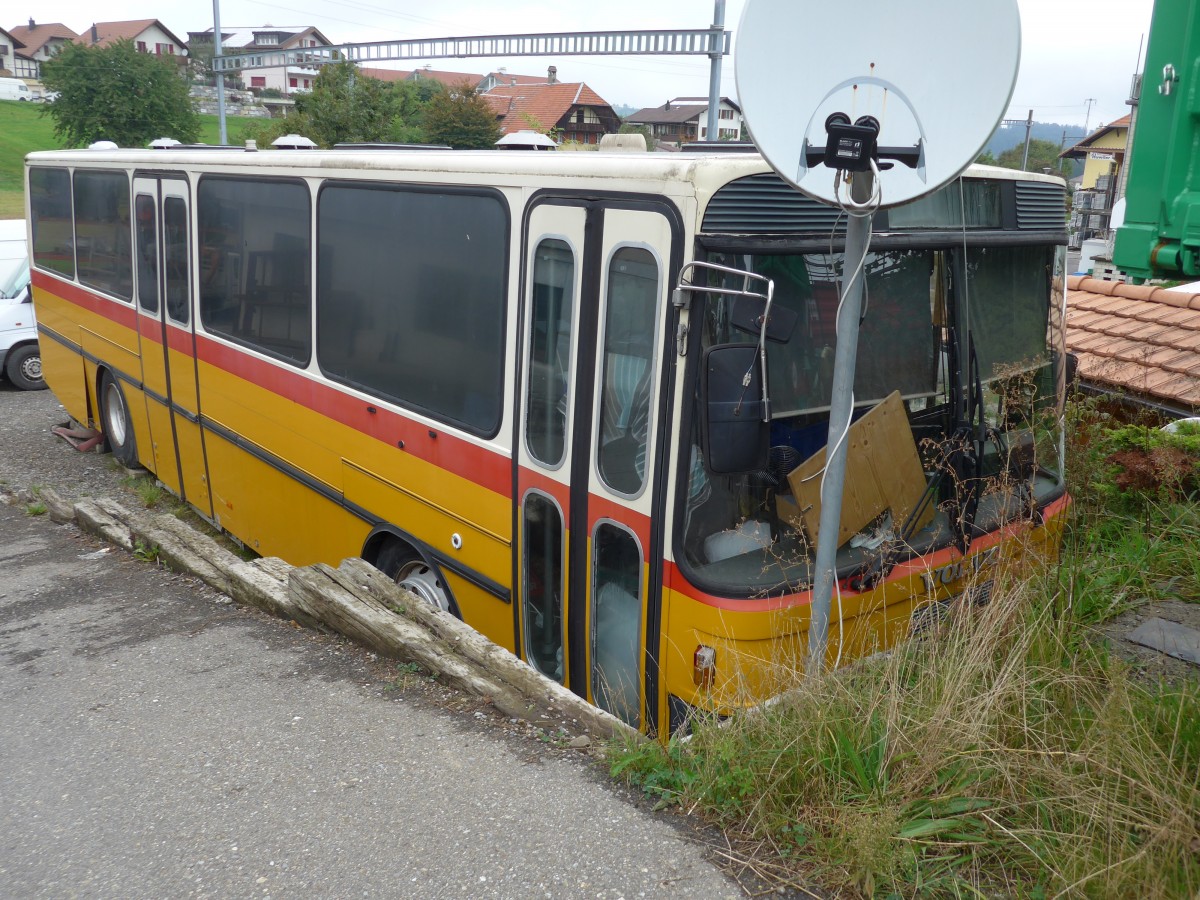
(165, 329)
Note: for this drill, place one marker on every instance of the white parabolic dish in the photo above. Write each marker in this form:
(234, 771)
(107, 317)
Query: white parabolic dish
(944, 69)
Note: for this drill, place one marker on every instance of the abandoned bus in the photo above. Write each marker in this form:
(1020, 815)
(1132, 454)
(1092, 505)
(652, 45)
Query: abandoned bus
(497, 376)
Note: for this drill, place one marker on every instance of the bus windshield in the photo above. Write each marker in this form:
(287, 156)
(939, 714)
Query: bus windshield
(960, 334)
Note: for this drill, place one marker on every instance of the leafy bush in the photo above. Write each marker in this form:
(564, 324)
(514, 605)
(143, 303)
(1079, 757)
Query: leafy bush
(1151, 463)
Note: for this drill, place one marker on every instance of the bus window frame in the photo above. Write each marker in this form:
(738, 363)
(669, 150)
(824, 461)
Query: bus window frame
(197, 242)
(658, 382)
(506, 337)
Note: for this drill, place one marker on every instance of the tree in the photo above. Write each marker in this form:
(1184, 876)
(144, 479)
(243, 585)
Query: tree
(117, 94)
(462, 119)
(1042, 155)
(346, 106)
(643, 130)
(200, 63)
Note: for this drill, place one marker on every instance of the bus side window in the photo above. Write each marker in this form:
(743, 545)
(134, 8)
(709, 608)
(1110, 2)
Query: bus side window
(628, 374)
(549, 351)
(175, 257)
(616, 621)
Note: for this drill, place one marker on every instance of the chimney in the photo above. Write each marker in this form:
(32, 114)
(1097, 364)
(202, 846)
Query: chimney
(95, 34)
(552, 75)
(32, 24)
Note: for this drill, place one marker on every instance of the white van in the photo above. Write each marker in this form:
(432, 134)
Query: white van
(20, 358)
(14, 89)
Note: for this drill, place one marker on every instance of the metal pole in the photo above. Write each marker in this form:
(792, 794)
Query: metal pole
(1028, 132)
(220, 75)
(714, 77)
(841, 407)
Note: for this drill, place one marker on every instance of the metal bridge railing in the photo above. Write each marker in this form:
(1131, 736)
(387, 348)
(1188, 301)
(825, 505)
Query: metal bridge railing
(691, 42)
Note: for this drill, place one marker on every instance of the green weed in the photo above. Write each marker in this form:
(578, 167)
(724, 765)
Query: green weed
(148, 491)
(36, 509)
(146, 552)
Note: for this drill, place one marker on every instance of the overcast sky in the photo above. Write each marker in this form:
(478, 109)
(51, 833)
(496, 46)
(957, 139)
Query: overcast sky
(1071, 51)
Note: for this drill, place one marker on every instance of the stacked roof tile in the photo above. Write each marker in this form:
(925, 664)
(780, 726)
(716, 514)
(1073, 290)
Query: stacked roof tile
(1140, 339)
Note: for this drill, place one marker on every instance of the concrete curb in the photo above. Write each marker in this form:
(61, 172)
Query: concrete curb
(355, 600)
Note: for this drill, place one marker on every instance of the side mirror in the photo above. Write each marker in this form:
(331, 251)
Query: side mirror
(733, 434)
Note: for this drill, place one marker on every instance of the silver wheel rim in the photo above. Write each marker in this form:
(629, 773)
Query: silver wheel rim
(420, 579)
(114, 415)
(32, 368)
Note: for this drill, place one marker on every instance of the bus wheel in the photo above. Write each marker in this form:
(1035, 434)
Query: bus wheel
(115, 421)
(408, 569)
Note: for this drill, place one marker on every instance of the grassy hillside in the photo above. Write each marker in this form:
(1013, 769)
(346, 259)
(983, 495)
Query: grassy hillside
(24, 128)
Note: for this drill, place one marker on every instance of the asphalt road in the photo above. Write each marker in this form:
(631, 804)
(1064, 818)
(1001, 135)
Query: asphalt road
(158, 741)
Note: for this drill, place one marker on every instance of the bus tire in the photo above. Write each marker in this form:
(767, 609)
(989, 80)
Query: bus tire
(24, 368)
(116, 423)
(409, 569)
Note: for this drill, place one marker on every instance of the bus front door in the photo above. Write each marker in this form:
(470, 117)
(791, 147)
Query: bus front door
(589, 550)
(165, 329)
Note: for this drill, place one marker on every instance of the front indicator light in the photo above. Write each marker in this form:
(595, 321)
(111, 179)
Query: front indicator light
(704, 666)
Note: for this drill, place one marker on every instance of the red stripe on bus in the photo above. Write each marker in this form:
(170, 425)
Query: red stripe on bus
(119, 311)
(179, 340)
(535, 479)
(677, 581)
(430, 443)
(476, 464)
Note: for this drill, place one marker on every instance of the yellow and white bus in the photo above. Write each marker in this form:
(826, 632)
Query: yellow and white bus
(493, 375)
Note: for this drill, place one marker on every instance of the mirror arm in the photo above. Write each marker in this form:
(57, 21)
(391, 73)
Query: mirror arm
(681, 299)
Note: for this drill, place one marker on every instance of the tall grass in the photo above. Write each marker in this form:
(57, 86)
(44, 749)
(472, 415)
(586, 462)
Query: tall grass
(1006, 753)
(992, 757)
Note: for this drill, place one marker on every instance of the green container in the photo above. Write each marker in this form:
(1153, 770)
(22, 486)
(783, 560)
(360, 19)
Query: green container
(1161, 234)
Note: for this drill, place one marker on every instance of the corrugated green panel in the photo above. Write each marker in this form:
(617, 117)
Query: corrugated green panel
(1161, 235)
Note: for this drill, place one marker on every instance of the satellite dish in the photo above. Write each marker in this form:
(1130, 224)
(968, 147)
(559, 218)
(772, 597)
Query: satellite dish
(935, 75)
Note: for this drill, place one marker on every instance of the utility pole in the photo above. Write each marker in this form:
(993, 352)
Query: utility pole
(1028, 133)
(714, 77)
(1028, 123)
(219, 73)
(1089, 101)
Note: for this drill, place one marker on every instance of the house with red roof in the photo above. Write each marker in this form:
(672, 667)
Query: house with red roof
(10, 53)
(385, 74)
(575, 112)
(507, 79)
(448, 80)
(147, 35)
(685, 119)
(38, 43)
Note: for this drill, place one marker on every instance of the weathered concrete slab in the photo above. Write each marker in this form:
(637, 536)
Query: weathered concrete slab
(362, 603)
(1170, 638)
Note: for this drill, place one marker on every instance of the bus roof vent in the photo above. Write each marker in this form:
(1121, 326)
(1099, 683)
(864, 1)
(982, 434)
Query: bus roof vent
(103, 145)
(163, 143)
(766, 204)
(294, 142)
